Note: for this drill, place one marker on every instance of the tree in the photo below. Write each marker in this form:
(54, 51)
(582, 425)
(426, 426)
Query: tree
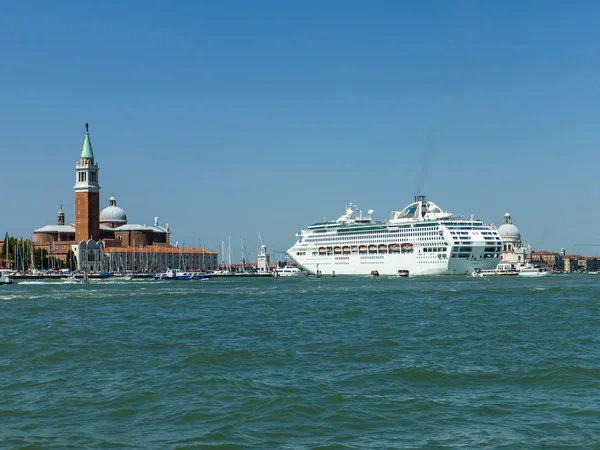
(70, 260)
(40, 257)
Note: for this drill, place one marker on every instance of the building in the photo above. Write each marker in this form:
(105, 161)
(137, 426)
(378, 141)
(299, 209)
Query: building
(513, 250)
(550, 260)
(105, 240)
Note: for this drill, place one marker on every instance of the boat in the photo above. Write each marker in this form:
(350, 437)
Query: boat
(503, 269)
(120, 278)
(179, 275)
(403, 273)
(346, 250)
(199, 276)
(288, 271)
(5, 277)
(407, 248)
(71, 279)
(421, 238)
(532, 270)
(374, 273)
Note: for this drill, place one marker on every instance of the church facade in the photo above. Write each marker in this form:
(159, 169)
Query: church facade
(104, 241)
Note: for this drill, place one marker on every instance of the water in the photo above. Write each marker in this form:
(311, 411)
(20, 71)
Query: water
(302, 363)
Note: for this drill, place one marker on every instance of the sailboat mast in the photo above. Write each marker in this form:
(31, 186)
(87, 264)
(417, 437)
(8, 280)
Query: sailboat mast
(229, 254)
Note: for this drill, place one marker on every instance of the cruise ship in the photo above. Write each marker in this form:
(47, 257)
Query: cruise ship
(422, 239)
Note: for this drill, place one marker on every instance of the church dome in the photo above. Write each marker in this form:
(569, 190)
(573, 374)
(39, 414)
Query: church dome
(113, 215)
(509, 232)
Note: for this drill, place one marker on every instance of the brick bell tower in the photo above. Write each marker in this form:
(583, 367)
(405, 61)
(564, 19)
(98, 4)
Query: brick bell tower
(87, 194)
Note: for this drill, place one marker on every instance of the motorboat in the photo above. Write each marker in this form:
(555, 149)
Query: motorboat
(5, 277)
(119, 278)
(288, 271)
(71, 279)
(531, 270)
(179, 275)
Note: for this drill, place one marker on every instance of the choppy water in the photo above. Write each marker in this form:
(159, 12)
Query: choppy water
(330, 363)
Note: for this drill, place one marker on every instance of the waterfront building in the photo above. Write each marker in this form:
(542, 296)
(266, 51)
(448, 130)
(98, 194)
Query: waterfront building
(513, 250)
(550, 260)
(105, 240)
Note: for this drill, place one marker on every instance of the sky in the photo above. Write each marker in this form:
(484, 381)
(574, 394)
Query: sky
(234, 119)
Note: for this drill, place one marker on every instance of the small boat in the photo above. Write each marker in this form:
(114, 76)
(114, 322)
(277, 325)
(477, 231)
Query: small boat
(337, 250)
(288, 271)
(374, 273)
(530, 270)
(372, 249)
(403, 273)
(382, 247)
(179, 275)
(362, 249)
(119, 278)
(407, 248)
(322, 250)
(71, 280)
(346, 250)
(394, 248)
(201, 276)
(4, 277)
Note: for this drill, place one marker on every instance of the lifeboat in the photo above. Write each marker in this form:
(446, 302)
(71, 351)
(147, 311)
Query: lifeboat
(337, 250)
(394, 247)
(372, 249)
(362, 249)
(346, 250)
(382, 247)
(407, 248)
(322, 250)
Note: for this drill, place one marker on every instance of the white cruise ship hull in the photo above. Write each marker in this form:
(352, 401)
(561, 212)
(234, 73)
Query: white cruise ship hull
(390, 264)
(421, 239)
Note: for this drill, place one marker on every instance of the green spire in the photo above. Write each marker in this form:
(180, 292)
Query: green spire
(86, 150)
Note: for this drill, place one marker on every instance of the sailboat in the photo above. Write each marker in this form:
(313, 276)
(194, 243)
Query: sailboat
(4, 277)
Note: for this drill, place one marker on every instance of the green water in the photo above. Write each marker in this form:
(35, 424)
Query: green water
(302, 363)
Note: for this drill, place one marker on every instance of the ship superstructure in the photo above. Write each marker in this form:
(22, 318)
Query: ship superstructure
(421, 239)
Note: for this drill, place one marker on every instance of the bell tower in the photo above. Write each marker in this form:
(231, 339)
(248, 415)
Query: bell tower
(87, 194)
(60, 216)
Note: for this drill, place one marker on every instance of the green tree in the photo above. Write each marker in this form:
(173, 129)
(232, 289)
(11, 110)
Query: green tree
(70, 260)
(40, 256)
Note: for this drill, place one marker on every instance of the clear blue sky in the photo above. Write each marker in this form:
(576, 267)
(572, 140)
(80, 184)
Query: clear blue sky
(228, 119)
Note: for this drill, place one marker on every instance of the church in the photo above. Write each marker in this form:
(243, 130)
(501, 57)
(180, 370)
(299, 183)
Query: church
(514, 252)
(105, 241)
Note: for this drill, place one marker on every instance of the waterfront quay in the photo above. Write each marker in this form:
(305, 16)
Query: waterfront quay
(138, 276)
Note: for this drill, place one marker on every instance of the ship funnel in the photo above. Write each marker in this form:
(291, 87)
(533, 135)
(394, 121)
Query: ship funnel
(420, 198)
